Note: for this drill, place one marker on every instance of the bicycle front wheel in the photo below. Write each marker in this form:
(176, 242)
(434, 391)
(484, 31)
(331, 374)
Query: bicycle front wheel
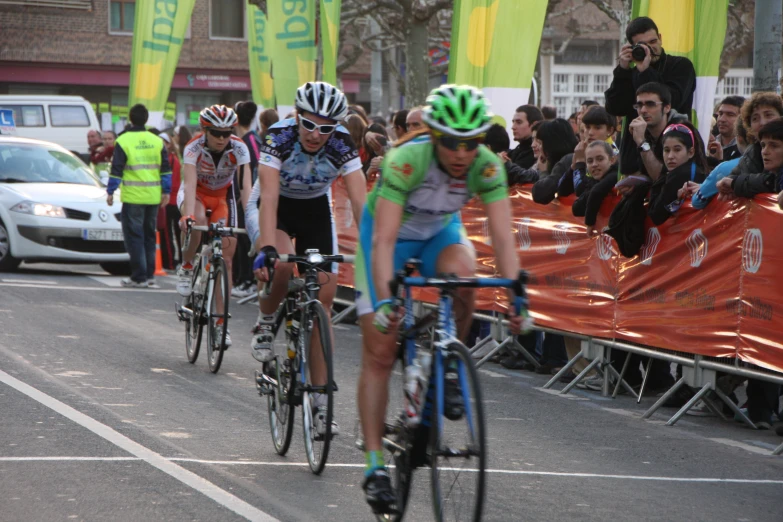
(216, 336)
(458, 445)
(279, 399)
(317, 399)
(194, 325)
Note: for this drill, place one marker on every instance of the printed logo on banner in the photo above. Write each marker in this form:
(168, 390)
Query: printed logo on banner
(697, 246)
(752, 250)
(523, 234)
(604, 246)
(650, 246)
(560, 234)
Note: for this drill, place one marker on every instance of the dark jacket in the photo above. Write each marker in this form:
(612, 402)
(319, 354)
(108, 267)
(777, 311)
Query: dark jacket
(626, 224)
(545, 189)
(522, 155)
(520, 176)
(751, 162)
(676, 72)
(749, 185)
(591, 195)
(663, 193)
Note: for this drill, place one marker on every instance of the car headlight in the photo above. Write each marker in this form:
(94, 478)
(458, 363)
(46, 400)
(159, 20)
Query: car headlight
(39, 209)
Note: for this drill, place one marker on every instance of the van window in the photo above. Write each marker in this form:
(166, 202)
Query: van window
(68, 116)
(27, 115)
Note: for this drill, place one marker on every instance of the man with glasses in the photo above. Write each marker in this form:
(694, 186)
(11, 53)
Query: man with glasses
(210, 162)
(299, 160)
(653, 104)
(674, 72)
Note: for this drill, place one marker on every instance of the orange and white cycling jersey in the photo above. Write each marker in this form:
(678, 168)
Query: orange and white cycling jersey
(214, 180)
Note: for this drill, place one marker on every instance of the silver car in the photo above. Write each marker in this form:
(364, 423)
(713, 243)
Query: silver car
(53, 209)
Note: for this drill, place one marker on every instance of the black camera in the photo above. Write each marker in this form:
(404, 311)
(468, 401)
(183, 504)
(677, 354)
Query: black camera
(637, 51)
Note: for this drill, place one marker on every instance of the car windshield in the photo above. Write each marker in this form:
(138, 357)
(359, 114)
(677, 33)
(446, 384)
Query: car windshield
(39, 163)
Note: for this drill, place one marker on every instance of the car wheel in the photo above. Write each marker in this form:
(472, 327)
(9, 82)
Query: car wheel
(8, 263)
(117, 268)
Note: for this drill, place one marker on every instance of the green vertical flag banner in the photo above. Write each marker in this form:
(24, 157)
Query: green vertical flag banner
(292, 29)
(681, 24)
(482, 56)
(260, 57)
(330, 33)
(158, 32)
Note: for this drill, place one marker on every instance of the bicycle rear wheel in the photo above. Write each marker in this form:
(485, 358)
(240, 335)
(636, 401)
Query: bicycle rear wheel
(278, 400)
(194, 325)
(318, 437)
(458, 447)
(216, 344)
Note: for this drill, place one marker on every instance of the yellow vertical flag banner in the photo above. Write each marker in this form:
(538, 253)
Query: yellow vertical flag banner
(330, 34)
(292, 29)
(681, 24)
(158, 32)
(481, 53)
(260, 57)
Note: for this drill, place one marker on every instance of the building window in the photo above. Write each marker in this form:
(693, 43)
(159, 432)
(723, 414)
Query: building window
(121, 16)
(601, 82)
(561, 82)
(581, 83)
(570, 89)
(68, 116)
(227, 19)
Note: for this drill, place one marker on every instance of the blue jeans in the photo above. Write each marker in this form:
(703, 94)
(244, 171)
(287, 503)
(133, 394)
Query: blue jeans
(138, 230)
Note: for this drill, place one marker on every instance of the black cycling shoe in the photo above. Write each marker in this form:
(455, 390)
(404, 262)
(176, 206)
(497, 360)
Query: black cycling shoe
(453, 401)
(379, 493)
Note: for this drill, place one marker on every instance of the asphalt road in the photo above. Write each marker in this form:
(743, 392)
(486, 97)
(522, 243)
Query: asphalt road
(103, 418)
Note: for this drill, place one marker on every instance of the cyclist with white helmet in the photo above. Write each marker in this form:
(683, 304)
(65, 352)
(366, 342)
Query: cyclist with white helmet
(413, 212)
(299, 160)
(210, 162)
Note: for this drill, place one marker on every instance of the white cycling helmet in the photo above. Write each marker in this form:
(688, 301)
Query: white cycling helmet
(218, 117)
(322, 99)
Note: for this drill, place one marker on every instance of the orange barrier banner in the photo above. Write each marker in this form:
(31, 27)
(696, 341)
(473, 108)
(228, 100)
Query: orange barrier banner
(705, 282)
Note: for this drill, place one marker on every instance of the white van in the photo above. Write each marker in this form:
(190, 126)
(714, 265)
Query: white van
(63, 120)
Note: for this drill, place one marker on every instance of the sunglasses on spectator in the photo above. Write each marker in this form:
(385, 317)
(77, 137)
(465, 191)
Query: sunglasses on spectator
(680, 128)
(220, 134)
(648, 104)
(453, 143)
(310, 126)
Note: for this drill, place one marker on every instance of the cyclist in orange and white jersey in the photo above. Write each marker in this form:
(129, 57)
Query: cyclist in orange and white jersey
(210, 163)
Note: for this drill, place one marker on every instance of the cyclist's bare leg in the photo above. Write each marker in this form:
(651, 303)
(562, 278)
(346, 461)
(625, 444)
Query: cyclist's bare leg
(379, 352)
(229, 247)
(269, 303)
(326, 296)
(195, 236)
(460, 260)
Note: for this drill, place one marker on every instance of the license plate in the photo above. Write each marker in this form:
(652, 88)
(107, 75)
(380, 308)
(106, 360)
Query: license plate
(90, 234)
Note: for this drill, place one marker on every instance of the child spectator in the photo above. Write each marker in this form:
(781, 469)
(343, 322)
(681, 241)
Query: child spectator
(597, 184)
(684, 160)
(771, 179)
(598, 126)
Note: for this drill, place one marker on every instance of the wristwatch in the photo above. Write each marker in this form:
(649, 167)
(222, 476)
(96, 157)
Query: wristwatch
(644, 147)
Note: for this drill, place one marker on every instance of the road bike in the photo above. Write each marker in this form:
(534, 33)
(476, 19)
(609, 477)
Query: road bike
(286, 380)
(199, 309)
(452, 444)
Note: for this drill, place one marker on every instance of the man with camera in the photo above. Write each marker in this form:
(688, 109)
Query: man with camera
(642, 60)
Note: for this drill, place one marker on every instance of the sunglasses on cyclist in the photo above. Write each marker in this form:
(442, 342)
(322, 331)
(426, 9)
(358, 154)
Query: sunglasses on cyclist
(310, 126)
(220, 134)
(455, 144)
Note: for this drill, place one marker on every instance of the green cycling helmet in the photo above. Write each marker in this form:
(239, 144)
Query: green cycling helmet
(461, 111)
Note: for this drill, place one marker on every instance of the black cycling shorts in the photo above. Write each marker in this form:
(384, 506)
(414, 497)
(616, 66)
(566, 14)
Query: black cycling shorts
(310, 223)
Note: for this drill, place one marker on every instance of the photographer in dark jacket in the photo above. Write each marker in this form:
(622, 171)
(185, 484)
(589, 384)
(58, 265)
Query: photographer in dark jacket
(677, 73)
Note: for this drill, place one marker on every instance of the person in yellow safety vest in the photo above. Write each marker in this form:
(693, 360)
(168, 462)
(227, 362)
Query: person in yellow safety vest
(140, 167)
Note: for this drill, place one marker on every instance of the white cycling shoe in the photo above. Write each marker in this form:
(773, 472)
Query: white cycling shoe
(184, 276)
(261, 346)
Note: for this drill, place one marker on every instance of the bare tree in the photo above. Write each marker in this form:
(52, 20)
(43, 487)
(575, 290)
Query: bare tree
(739, 34)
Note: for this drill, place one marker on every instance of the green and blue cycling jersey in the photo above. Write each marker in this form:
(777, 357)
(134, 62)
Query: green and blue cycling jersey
(431, 199)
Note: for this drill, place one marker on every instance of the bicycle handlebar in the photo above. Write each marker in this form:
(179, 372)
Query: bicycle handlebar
(313, 260)
(217, 229)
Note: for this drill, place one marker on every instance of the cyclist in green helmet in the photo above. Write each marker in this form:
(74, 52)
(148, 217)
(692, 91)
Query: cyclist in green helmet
(414, 212)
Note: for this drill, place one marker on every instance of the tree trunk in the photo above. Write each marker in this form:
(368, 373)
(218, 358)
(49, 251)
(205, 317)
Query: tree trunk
(416, 63)
(766, 46)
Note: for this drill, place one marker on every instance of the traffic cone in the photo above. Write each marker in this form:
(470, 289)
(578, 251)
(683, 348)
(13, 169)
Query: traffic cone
(158, 258)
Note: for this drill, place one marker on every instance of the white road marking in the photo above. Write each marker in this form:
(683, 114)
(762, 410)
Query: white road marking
(92, 288)
(200, 484)
(346, 465)
(742, 445)
(68, 336)
(30, 281)
(72, 373)
(493, 374)
(112, 281)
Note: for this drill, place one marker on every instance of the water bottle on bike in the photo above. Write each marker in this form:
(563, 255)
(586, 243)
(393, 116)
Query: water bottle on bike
(417, 377)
